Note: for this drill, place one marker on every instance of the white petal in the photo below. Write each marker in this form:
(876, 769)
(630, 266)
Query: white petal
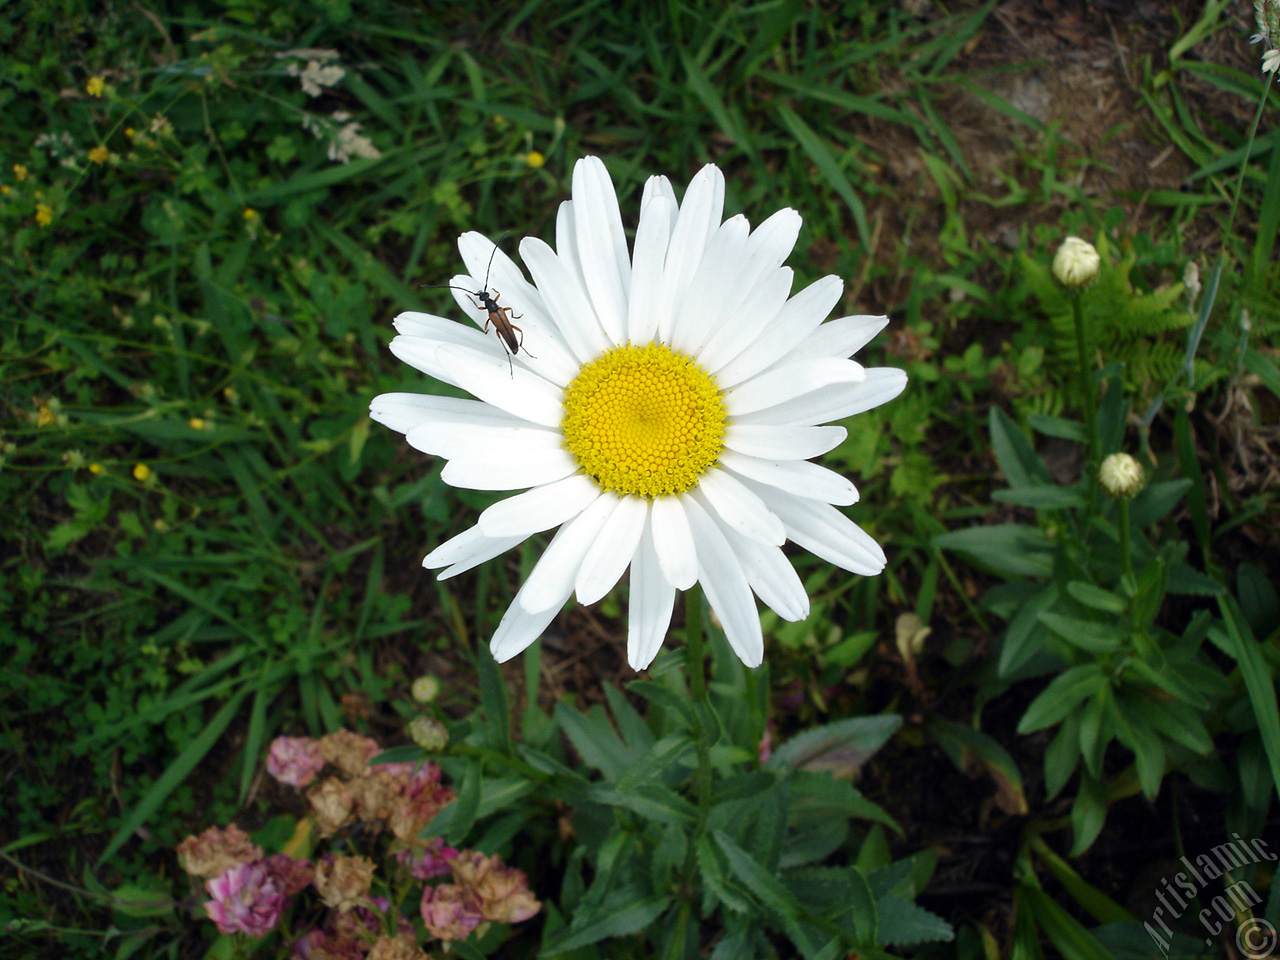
(706, 304)
(757, 311)
(655, 187)
(797, 477)
(827, 533)
(652, 236)
(517, 391)
(404, 411)
(542, 348)
(611, 553)
(470, 438)
(413, 324)
(519, 628)
(673, 542)
(771, 442)
(726, 587)
(500, 472)
(783, 384)
(552, 578)
(649, 612)
(698, 219)
(421, 353)
(739, 508)
(795, 321)
(771, 577)
(841, 338)
(566, 300)
(602, 245)
(834, 402)
(468, 549)
(540, 508)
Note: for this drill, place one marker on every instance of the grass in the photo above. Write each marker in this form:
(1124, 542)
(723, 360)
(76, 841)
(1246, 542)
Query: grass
(209, 544)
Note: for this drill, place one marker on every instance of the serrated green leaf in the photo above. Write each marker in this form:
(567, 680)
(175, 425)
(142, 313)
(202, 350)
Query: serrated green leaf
(904, 923)
(620, 921)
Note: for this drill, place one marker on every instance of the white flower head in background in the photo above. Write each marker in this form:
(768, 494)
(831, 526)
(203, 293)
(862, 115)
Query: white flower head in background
(662, 413)
(1076, 262)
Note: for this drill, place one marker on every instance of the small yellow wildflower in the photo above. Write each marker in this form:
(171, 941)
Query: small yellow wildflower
(19, 172)
(141, 472)
(44, 415)
(534, 159)
(96, 469)
(195, 423)
(44, 214)
(96, 87)
(99, 154)
(130, 132)
(250, 215)
(5, 189)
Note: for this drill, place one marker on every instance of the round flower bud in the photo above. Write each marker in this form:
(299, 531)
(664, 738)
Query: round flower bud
(425, 689)
(429, 734)
(1120, 475)
(1076, 262)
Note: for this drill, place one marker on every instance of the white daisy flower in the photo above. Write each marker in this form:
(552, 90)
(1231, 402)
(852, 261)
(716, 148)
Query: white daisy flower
(661, 410)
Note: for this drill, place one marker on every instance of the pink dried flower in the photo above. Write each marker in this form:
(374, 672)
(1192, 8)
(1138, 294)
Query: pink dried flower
(501, 891)
(294, 760)
(450, 912)
(327, 945)
(429, 862)
(291, 874)
(246, 899)
(216, 851)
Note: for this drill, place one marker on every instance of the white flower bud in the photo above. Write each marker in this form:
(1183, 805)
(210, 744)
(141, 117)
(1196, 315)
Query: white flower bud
(1120, 475)
(1076, 262)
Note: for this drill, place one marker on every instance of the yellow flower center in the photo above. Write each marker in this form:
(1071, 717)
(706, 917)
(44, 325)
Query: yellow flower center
(643, 420)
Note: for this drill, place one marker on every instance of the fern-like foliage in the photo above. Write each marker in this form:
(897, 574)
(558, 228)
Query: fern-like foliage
(1120, 323)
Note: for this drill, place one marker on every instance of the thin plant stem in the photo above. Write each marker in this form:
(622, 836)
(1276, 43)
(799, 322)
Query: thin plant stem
(1088, 395)
(1126, 540)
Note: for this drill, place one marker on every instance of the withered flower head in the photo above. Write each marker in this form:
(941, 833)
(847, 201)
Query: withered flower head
(332, 803)
(349, 752)
(343, 882)
(216, 851)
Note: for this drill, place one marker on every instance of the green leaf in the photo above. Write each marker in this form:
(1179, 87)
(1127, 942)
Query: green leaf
(1042, 497)
(904, 923)
(621, 921)
(1067, 691)
(1086, 634)
(1156, 501)
(1009, 549)
(1088, 813)
(1066, 934)
(1026, 635)
(965, 745)
(1017, 458)
(1174, 722)
(1096, 598)
(1237, 639)
(839, 747)
(594, 739)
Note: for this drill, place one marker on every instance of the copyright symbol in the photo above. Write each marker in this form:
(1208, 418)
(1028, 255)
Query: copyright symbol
(1256, 939)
